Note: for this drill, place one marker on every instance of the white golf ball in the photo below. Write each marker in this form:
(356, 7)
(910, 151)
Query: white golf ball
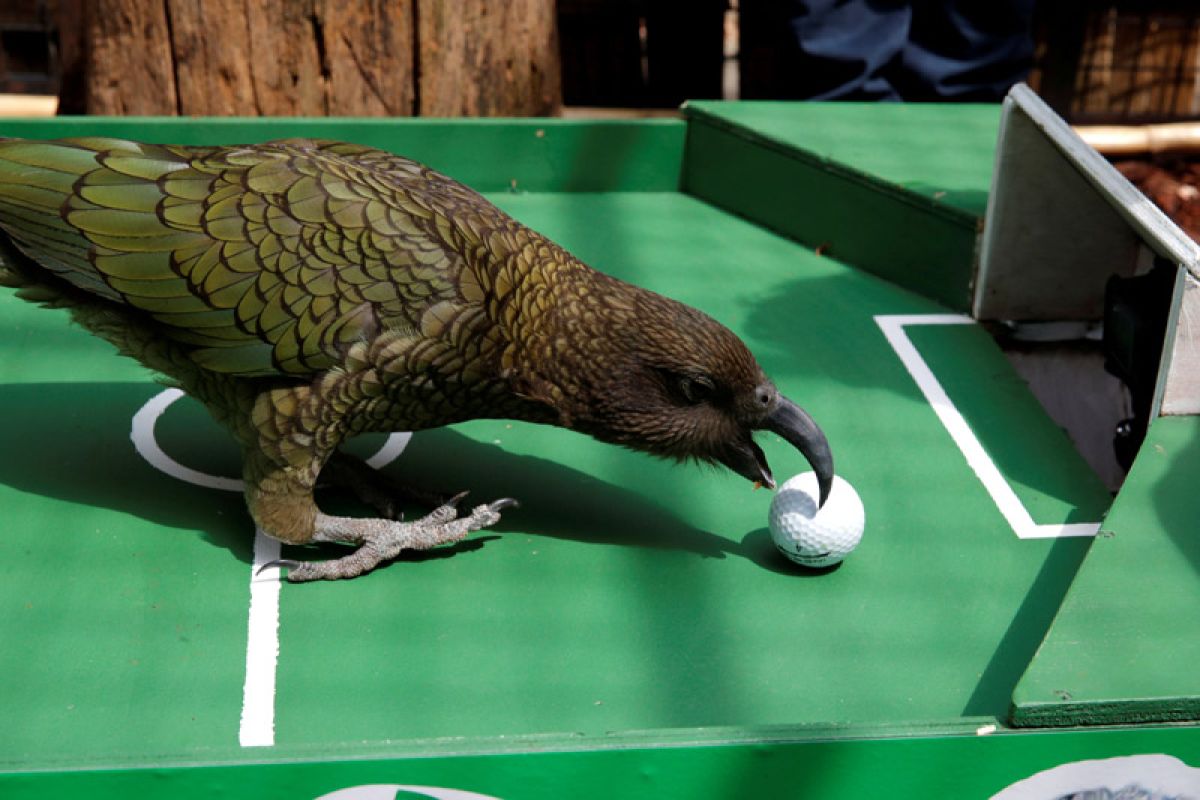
(811, 536)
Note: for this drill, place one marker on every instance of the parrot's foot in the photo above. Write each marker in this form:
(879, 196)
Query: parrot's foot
(372, 487)
(381, 540)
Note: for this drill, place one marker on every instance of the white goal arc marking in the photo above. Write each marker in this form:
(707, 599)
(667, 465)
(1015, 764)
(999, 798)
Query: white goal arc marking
(388, 791)
(146, 444)
(257, 727)
(985, 469)
(148, 448)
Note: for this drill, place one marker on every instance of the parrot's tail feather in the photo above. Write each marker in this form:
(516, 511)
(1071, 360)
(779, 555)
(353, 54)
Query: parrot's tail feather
(131, 335)
(32, 283)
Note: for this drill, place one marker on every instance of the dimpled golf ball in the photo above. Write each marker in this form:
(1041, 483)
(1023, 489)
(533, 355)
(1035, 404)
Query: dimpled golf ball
(811, 536)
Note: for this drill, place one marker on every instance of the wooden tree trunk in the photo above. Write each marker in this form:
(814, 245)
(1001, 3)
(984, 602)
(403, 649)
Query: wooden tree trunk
(132, 39)
(315, 57)
(488, 58)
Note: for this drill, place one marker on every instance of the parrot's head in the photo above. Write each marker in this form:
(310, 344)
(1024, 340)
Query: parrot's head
(687, 387)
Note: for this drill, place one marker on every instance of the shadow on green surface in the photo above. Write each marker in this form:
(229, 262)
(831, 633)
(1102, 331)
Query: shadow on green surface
(811, 330)
(1176, 501)
(1016, 648)
(758, 547)
(556, 501)
(70, 442)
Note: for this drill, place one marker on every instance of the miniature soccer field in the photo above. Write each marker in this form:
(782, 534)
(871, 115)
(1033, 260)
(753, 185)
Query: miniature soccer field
(627, 601)
(625, 594)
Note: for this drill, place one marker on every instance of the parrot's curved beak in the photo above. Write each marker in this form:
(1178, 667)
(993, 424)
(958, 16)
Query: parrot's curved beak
(796, 427)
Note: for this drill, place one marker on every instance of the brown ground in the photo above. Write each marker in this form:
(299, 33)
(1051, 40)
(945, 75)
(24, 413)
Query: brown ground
(1174, 186)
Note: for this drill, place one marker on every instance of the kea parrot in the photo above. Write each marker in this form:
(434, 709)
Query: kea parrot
(308, 291)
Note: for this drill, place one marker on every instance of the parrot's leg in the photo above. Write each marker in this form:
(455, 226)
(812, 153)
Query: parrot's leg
(381, 540)
(372, 487)
(281, 502)
(288, 436)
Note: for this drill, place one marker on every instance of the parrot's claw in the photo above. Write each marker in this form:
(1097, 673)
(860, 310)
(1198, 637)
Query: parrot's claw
(381, 540)
(285, 563)
(503, 503)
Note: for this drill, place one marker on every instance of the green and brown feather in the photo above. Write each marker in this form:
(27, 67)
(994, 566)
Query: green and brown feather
(265, 260)
(305, 291)
(368, 291)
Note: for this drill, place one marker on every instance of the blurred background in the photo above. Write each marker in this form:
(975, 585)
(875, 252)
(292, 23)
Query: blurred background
(1130, 61)
(1093, 61)
(1096, 62)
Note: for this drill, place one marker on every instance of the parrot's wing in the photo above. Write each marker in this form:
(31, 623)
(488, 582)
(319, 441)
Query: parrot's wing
(266, 259)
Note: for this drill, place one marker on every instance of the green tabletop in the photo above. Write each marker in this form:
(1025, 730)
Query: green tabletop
(940, 152)
(627, 594)
(632, 614)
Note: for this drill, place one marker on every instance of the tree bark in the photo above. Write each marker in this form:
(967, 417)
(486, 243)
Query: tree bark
(317, 57)
(130, 40)
(488, 58)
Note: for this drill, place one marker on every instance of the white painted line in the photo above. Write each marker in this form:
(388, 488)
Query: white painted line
(147, 446)
(262, 647)
(262, 630)
(980, 462)
(388, 791)
(392, 447)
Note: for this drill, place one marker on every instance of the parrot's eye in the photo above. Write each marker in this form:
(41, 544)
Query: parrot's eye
(696, 389)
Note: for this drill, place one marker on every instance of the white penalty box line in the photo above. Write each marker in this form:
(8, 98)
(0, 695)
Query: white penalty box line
(981, 463)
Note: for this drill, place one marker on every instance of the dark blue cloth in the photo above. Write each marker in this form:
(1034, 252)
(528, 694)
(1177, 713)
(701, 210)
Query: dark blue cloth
(918, 50)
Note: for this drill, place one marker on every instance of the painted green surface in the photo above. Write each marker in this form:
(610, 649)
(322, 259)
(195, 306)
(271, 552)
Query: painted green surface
(535, 155)
(107, 569)
(906, 233)
(1127, 643)
(940, 152)
(1048, 475)
(962, 766)
(626, 594)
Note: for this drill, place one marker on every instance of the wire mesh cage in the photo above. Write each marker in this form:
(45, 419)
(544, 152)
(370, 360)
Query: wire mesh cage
(1121, 62)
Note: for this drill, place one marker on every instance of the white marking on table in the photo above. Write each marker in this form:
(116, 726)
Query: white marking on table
(262, 629)
(388, 791)
(262, 647)
(147, 446)
(985, 469)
